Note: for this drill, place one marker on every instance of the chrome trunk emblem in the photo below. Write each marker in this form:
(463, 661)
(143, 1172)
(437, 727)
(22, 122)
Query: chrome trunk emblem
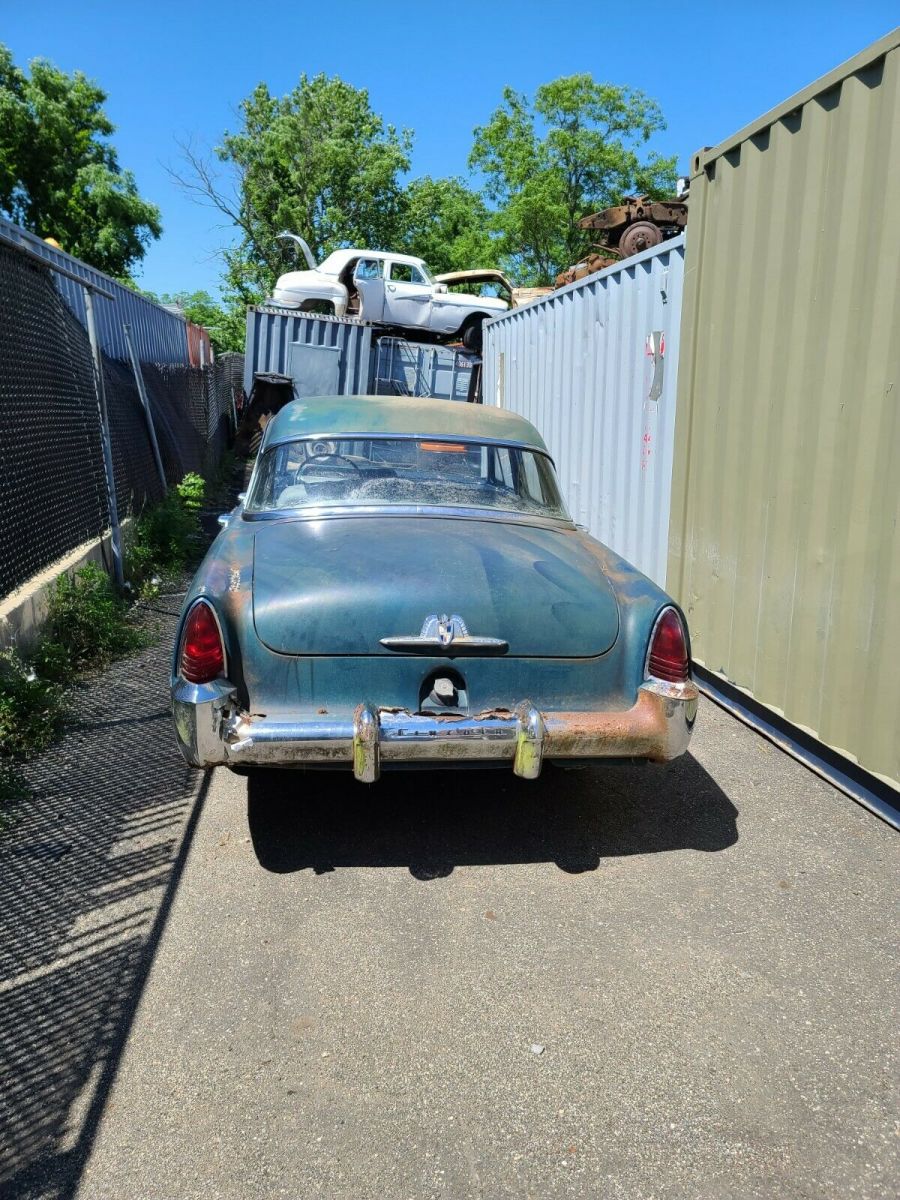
(447, 628)
(443, 633)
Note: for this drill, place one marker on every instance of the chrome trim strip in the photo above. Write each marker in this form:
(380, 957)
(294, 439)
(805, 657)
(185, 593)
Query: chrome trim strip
(507, 516)
(443, 634)
(369, 436)
(433, 645)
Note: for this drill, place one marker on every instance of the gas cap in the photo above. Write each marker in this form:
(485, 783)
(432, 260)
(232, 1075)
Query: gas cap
(444, 690)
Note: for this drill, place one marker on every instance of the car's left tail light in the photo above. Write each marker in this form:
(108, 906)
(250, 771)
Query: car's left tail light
(668, 657)
(202, 652)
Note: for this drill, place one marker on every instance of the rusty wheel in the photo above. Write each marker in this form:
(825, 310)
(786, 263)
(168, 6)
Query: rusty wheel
(639, 236)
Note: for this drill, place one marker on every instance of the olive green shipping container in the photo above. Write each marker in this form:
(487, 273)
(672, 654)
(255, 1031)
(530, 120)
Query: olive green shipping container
(784, 542)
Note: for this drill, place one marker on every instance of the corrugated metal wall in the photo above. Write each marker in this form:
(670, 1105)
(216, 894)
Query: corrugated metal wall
(159, 336)
(594, 366)
(785, 542)
(404, 368)
(271, 331)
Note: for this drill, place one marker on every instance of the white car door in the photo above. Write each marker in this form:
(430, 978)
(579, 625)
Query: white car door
(407, 297)
(368, 279)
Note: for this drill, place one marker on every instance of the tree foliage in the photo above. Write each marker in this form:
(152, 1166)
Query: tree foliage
(572, 151)
(226, 323)
(447, 224)
(318, 162)
(59, 174)
(321, 163)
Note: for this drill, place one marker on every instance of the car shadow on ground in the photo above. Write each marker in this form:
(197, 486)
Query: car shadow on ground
(432, 822)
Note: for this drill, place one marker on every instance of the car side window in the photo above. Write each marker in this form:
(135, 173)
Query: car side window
(368, 268)
(406, 273)
(530, 480)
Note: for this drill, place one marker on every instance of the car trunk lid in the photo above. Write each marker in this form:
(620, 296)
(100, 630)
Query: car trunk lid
(337, 586)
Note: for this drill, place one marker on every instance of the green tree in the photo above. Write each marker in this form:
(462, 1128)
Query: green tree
(59, 174)
(448, 225)
(317, 162)
(572, 151)
(226, 323)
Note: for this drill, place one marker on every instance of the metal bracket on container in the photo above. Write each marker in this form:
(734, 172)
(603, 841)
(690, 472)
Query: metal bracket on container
(656, 349)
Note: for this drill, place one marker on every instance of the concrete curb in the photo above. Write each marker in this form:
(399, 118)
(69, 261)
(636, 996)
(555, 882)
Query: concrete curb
(23, 612)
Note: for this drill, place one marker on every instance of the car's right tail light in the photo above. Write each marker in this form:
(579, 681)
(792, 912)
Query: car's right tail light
(202, 652)
(668, 656)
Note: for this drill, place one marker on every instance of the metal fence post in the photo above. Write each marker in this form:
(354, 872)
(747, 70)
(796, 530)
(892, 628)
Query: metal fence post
(114, 528)
(145, 401)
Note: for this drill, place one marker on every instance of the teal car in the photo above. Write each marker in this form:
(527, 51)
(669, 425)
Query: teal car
(402, 586)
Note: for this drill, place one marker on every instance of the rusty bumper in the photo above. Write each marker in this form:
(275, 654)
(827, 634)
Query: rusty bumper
(212, 731)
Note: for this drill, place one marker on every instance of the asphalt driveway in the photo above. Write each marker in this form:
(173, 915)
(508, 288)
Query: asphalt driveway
(620, 983)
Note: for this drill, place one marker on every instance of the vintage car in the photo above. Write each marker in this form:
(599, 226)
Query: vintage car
(395, 290)
(402, 586)
(492, 283)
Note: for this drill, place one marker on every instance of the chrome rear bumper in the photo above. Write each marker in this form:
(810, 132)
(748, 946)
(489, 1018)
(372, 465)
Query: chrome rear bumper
(212, 730)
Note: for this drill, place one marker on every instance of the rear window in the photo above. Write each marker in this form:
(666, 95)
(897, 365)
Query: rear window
(365, 472)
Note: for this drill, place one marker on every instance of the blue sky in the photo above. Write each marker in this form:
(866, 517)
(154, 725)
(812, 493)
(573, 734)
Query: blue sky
(177, 71)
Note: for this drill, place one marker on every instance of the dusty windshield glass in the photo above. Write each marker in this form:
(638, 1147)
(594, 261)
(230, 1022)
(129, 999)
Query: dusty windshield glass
(339, 473)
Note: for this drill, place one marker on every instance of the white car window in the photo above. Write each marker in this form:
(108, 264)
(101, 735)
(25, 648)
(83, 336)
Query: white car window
(406, 273)
(368, 268)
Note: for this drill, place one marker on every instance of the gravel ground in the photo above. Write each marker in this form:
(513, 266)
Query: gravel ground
(621, 983)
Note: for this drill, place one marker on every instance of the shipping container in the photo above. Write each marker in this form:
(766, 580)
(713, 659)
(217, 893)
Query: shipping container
(405, 368)
(785, 539)
(593, 366)
(159, 336)
(334, 351)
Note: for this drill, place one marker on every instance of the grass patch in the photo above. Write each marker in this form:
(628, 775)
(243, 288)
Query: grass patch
(12, 788)
(88, 626)
(166, 537)
(30, 707)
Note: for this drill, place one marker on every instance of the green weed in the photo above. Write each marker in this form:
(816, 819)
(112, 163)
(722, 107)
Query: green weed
(12, 788)
(31, 708)
(165, 537)
(87, 624)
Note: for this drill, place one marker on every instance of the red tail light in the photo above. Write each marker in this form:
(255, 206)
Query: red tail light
(202, 653)
(668, 658)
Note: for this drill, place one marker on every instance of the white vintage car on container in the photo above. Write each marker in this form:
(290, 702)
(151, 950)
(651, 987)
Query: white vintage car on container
(396, 290)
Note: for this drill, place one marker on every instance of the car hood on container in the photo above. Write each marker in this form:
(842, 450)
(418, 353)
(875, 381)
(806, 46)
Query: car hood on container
(341, 584)
(467, 300)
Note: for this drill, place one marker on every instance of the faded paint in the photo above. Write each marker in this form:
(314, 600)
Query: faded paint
(496, 575)
(593, 366)
(785, 539)
(283, 685)
(397, 416)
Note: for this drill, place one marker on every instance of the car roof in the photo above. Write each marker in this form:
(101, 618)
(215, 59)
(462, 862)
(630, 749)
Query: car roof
(399, 416)
(344, 256)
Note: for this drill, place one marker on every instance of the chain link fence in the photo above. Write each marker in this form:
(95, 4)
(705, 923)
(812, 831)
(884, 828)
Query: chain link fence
(54, 485)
